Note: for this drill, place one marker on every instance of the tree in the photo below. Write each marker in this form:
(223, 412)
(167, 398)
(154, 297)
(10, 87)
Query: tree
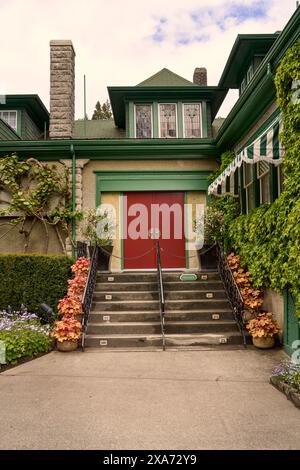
(102, 111)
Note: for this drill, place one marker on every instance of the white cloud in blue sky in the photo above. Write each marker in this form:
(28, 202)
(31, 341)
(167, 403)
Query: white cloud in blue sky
(124, 42)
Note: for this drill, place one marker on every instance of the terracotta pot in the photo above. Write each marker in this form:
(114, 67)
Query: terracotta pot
(264, 343)
(66, 346)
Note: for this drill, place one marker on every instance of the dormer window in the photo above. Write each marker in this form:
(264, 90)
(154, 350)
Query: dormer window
(192, 120)
(10, 117)
(168, 120)
(143, 121)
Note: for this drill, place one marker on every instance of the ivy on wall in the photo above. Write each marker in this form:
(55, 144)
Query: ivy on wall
(34, 192)
(268, 239)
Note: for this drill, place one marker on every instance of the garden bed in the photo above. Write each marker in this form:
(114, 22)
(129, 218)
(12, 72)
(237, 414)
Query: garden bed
(286, 378)
(22, 337)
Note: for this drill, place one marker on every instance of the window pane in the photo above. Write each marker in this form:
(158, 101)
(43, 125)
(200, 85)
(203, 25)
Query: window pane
(143, 121)
(10, 117)
(192, 120)
(167, 120)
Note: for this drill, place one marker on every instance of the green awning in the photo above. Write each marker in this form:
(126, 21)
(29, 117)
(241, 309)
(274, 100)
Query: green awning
(266, 147)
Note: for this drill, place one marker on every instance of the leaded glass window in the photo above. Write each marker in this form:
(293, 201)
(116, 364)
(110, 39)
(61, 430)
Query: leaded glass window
(167, 120)
(143, 114)
(192, 120)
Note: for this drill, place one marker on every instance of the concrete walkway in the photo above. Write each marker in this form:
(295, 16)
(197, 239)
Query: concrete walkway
(143, 400)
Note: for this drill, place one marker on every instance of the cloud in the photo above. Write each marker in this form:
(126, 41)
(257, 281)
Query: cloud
(183, 28)
(114, 41)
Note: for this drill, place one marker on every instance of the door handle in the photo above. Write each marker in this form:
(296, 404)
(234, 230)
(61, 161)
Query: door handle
(154, 233)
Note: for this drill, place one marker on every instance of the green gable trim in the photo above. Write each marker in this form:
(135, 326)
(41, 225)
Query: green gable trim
(120, 95)
(121, 181)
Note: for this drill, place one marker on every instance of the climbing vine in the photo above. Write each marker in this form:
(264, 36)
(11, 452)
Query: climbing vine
(34, 192)
(228, 205)
(268, 239)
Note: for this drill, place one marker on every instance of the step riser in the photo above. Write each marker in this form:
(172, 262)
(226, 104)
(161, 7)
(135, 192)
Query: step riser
(168, 286)
(110, 306)
(154, 316)
(157, 342)
(190, 295)
(149, 329)
(142, 277)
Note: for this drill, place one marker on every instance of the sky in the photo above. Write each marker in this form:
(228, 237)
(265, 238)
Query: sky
(123, 42)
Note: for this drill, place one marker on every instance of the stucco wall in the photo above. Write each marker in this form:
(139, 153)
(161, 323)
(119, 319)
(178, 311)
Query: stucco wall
(89, 191)
(273, 302)
(89, 178)
(11, 241)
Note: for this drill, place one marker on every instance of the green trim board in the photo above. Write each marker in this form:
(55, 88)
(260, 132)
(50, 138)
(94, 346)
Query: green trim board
(291, 331)
(150, 181)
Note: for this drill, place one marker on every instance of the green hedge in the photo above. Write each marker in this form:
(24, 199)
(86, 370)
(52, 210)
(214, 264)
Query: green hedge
(33, 279)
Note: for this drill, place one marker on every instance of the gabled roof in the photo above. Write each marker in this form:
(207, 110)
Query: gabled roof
(245, 47)
(33, 105)
(166, 77)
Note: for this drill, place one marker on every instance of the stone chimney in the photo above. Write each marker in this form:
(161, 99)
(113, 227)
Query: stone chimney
(200, 76)
(62, 89)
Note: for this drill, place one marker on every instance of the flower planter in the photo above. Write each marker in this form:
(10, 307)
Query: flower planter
(264, 342)
(66, 346)
(289, 391)
(207, 257)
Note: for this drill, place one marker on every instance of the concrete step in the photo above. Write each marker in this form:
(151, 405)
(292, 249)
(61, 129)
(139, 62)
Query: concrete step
(152, 276)
(109, 296)
(134, 305)
(152, 286)
(140, 316)
(172, 340)
(172, 327)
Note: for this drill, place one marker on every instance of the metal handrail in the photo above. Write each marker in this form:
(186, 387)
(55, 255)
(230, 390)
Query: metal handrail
(161, 295)
(87, 297)
(233, 292)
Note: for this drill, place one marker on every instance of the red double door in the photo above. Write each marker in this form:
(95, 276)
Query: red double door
(152, 216)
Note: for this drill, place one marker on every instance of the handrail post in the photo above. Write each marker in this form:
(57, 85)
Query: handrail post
(87, 297)
(161, 295)
(232, 290)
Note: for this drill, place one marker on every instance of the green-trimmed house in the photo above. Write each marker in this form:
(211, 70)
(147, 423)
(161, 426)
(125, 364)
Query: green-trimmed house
(162, 144)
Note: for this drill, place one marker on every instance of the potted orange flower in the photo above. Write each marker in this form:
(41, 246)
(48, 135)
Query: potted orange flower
(263, 329)
(67, 333)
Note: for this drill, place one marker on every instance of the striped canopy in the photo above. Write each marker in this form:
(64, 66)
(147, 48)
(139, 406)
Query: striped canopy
(266, 148)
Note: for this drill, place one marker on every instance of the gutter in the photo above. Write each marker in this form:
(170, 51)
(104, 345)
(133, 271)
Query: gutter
(73, 197)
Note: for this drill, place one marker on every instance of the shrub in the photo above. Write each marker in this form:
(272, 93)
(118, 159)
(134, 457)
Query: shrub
(23, 335)
(262, 326)
(33, 279)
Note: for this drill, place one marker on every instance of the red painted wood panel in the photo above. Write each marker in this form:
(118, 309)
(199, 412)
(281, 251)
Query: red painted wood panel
(151, 215)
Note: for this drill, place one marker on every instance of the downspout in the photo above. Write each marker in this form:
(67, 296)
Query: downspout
(73, 198)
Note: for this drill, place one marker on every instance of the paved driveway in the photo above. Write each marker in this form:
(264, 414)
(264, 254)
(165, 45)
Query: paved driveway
(142, 400)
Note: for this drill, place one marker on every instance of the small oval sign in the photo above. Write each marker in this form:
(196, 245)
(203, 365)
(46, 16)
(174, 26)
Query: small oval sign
(188, 277)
